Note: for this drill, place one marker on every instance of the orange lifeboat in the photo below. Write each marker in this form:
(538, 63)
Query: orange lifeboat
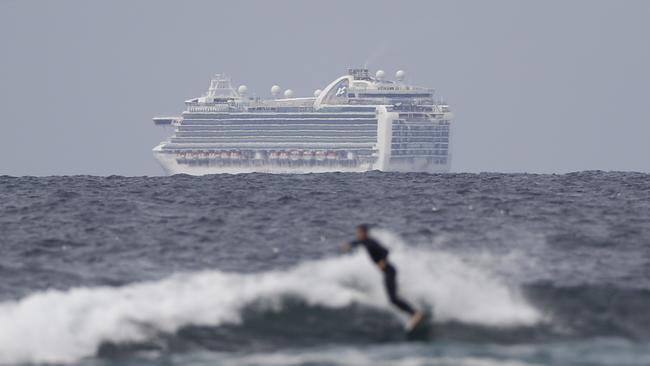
(320, 155)
(295, 155)
(308, 155)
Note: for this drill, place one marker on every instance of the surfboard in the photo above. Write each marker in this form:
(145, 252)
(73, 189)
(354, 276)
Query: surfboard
(422, 331)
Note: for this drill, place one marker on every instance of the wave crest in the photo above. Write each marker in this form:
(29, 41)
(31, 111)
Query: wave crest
(65, 326)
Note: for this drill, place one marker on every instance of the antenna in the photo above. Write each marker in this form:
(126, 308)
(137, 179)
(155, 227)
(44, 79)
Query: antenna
(378, 53)
(409, 81)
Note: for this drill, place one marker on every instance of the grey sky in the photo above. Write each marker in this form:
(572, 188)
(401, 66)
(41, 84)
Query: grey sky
(544, 86)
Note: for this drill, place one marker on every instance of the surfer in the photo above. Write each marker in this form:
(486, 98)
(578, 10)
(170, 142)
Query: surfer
(379, 255)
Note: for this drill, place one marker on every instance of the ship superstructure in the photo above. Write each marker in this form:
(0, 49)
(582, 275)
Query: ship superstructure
(357, 123)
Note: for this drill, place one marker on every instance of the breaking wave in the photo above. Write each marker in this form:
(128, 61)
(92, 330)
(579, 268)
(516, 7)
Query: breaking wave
(343, 293)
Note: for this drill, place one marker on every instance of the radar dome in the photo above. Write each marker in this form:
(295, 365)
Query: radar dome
(400, 74)
(275, 90)
(379, 75)
(317, 92)
(243, 89)
(288, 93)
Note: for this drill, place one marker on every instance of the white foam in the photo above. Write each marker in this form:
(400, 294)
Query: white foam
(363, 358)
(65, 326)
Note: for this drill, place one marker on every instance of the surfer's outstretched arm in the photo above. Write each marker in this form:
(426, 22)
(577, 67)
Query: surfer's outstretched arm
(349, 245)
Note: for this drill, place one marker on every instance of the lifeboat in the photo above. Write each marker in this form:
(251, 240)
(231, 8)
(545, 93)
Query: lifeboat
(274, 155)
(225, 155)
(332, 155)
(295, 155)
(320, 155)
(284, 155)
(235, 155)
(308, 155)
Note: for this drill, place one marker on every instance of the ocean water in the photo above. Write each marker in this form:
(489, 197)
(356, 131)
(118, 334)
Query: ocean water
(515, 269)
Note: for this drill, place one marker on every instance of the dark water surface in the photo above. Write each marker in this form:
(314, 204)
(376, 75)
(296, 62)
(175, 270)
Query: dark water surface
(516, 269)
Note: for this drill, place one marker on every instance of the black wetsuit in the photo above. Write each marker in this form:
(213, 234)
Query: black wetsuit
(378, 253)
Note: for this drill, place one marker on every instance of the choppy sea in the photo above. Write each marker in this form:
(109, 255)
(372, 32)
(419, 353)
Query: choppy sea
(515, 269)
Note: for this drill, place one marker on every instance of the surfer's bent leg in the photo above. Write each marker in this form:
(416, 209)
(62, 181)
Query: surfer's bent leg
(390, 281)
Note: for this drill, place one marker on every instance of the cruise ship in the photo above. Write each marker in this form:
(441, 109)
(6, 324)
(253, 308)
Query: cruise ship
(358, 122)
